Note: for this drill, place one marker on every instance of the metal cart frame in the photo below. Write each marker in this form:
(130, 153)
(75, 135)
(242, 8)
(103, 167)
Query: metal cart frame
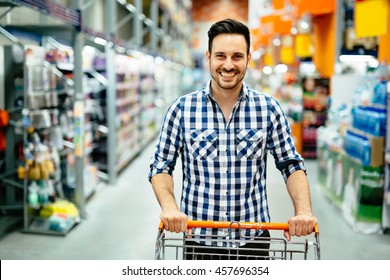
(189, 246)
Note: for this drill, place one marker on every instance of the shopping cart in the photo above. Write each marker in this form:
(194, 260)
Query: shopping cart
(189, 247)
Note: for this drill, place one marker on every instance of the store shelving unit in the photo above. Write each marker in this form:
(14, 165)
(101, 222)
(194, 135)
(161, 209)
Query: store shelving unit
(96, 82)
(115, 105)
(148, 93)
(156, 29)
(128, 110)
(11, 187)
(314, 116)
(46, 98)
(134, 31)
(352, 172)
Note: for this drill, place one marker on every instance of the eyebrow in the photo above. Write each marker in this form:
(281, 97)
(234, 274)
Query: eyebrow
(236, 53)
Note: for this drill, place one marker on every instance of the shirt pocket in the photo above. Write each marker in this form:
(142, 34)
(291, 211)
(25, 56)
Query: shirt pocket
(204, 144)
(249, 143)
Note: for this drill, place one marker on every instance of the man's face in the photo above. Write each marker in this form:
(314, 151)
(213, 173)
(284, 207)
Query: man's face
(228, 60)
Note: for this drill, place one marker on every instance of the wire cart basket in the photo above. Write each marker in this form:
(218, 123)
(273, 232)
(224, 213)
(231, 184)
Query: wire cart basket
(187, 246)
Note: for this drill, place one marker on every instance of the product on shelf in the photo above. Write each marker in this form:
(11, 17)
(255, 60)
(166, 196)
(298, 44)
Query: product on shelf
(315, 106)
(352, 172)
(44, 148)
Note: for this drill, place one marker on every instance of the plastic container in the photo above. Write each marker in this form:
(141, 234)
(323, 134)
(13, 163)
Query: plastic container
(358, 147)
(380, 93)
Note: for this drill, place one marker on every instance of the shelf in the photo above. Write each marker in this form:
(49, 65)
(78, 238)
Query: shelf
(125, 101)
(8, 3)
(114, 89)
(127, 85)
(42, 226)
(51, 8)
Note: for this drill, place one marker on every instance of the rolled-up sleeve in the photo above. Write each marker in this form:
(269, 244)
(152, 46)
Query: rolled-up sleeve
(168, 144)
(281, 145)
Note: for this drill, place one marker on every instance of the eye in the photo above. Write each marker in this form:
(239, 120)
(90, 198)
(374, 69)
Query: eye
(238, 57)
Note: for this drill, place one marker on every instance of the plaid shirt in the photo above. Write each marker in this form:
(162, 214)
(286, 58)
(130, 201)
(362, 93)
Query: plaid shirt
(224, 164)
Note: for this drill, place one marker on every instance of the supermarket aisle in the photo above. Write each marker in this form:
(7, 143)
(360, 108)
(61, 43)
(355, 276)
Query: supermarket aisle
(122, 221)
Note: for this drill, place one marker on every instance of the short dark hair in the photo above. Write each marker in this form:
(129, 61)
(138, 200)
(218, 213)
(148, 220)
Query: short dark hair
(230, 26)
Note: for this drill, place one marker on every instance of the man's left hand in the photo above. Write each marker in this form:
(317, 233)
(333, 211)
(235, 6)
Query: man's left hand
(300, 225)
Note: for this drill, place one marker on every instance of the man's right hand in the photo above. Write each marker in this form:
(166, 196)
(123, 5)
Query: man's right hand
(174, 221)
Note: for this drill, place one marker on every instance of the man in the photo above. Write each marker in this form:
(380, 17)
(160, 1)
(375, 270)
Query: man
(222, 133)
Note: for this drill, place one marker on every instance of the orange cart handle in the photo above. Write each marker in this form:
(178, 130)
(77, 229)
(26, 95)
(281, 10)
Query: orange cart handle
(237, 225)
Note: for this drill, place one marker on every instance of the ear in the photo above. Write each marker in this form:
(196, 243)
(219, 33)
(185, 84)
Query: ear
(208, 55)
(249, 58)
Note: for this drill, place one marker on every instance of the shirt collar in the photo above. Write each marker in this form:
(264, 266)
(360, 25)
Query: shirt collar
(243, 93)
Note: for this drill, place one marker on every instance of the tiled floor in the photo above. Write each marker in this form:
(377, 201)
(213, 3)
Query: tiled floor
(122, 223)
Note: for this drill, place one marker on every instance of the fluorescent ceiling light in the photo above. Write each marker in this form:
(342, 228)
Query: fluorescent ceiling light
(267, 70)
(100, 41)
(276, 42)
(357, 58)
(131, 8)
(281, 68)
(294, 31)
(256, 55)
(304, 25)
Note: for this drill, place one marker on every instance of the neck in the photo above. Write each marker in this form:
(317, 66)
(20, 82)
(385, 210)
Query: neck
(222, 95)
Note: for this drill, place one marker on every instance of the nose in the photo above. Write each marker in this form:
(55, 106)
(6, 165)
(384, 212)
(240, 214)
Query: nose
(228, 65)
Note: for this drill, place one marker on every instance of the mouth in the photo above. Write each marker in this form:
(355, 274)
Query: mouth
(227, 75)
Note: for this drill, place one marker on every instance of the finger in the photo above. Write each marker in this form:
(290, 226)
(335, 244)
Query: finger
(298, 230)
(166, 225)
(312, 225)
(177, 226)
(183, 226)
(164, 220)
(304, 228)
(287, 235)
(292, 229)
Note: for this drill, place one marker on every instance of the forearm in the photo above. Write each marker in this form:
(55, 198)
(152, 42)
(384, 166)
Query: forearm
(299, 190)
(163, 189)
(172, 218)
(303, 222)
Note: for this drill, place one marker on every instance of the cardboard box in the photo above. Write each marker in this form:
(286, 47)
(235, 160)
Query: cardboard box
(377, 147)
(363, 190)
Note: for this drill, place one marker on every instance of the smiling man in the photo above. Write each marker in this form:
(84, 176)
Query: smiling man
(223, 133)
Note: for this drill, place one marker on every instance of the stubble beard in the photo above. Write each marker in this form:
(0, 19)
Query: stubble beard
(226, 85)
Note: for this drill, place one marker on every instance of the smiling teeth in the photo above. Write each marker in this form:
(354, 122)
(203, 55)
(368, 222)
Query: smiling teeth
(227, 74)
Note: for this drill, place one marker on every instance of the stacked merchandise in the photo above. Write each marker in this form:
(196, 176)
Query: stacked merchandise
(148, 92)
(350, 151)
(315, 105)
(127, 122)
(47, 121)
(81, 140)
(94, 86)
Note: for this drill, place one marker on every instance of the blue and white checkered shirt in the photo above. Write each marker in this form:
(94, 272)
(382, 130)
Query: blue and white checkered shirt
(224, 164)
